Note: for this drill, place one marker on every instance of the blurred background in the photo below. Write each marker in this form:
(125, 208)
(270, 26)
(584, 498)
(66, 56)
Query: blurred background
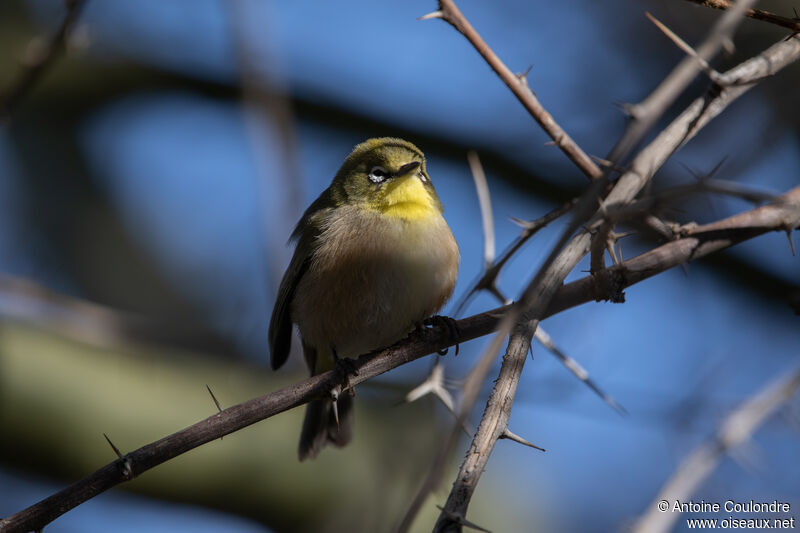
(148, 186)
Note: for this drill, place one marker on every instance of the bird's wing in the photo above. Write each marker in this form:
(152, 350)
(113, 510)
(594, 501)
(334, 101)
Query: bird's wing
(280, 324)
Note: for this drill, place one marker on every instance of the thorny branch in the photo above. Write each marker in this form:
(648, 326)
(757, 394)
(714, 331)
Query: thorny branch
(646, 113)
(523, 319)
(792, 24)
(543, 297)
(782, 214)
(449, 12)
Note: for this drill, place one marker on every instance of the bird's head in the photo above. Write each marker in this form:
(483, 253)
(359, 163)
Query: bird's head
(387, 175)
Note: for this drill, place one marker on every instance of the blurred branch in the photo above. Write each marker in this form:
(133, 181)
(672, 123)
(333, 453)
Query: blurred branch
(608, 285)
(522, 321)
(646, 113)
(449, 12)
(735, 429)
(39, 59)
(781, 215)
(792, 24)
(485, 203)
(705, 239)
(90, 322)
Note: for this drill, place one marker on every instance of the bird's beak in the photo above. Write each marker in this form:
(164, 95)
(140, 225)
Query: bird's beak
(407, 168)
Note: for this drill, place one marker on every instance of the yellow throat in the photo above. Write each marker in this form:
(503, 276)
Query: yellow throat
(406, 197)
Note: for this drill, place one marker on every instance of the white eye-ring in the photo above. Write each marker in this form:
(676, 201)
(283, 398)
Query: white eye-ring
(378, 174)
(422, 177)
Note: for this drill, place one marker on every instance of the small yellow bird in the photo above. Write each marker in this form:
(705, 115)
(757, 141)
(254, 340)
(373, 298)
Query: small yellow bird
(374, 258)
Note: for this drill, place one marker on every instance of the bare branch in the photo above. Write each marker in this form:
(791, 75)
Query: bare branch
(791, 24)
(523, 319)
(710, 72)
(485, 203)
(646, 113)
(781, 214)
(736, 429)
(449, 12)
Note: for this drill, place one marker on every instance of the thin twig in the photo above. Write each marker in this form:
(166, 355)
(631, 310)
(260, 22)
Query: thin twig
(37, 65)
(449, 12)
(791, 24)
(680, 43)
(577, 370)
(645, 114)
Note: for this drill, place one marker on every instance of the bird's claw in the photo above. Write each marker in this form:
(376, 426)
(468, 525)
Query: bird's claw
(448, 322)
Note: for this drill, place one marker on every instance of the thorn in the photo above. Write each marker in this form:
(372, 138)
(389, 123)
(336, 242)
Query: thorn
(507, 434)
(116, 450)
(789, 236)
(127, 468)
(494, 291)
(461, 520)
(523, 77)
(335, 405)
(434, 384)
(216, 402)
(550, 143)
(702, 178)
(728, 46)
(688, 50)
(607, 164)
(519, 222)
(433, 15)
(577, 370)
(631, 111)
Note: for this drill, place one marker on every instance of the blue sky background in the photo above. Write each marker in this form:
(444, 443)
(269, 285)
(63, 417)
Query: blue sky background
(200, 186)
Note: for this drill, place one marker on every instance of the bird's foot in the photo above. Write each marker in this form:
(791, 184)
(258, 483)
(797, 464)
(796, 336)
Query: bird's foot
(344, 368)
(448, 322)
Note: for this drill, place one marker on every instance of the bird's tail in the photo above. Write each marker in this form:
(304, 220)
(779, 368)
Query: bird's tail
(320, 425)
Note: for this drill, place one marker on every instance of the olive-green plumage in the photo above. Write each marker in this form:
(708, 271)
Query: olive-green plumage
(374, 258)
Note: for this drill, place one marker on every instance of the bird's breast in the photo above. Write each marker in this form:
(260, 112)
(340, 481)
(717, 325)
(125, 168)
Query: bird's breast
(372, 278)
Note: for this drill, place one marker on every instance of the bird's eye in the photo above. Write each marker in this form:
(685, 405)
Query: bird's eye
(422, 177)
(378, 174)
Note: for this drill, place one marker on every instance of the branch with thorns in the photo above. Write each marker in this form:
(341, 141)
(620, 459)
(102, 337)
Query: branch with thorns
(518, 84)
(523, 318)
(544, 296)
(778, 216)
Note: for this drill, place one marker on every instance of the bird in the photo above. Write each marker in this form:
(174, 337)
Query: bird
(374, 258)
